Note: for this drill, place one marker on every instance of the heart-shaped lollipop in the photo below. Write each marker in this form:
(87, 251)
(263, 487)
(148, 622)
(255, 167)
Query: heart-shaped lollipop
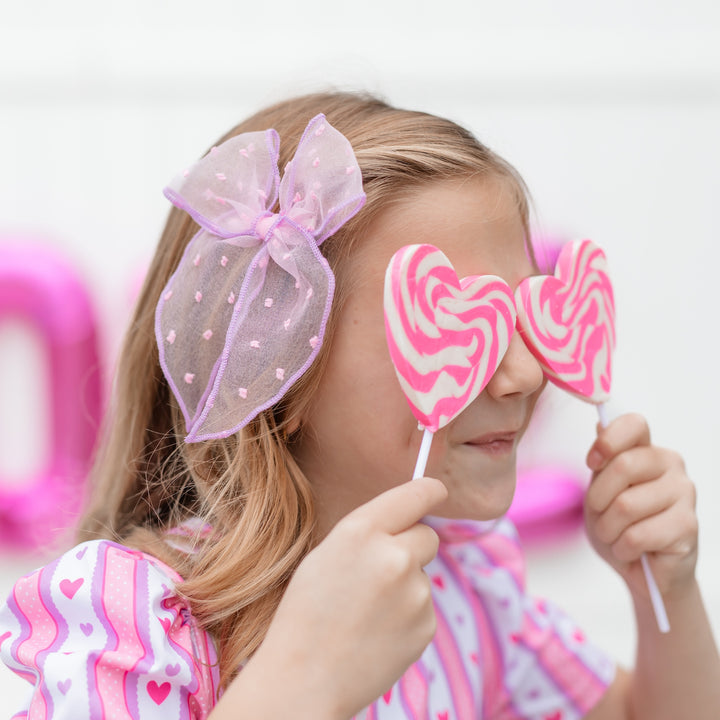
(446, 336)
(568, 321)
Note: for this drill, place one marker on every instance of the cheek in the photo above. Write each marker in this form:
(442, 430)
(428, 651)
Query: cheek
(360, 366)
(359, 386)
(371, 388)
(379, 427)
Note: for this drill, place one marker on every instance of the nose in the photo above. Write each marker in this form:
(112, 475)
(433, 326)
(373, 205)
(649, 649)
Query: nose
(518, 374)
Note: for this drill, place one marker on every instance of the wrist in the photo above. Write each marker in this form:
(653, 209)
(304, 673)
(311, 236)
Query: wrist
(265, 688)
(680, 602)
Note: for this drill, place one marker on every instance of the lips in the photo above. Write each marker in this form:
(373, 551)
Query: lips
(496, 443)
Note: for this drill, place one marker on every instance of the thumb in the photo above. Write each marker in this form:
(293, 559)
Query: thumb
(401, 507)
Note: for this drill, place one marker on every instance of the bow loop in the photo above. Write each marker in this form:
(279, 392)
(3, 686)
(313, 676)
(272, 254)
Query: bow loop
(243, 316)
(321, 188)
(229, 188)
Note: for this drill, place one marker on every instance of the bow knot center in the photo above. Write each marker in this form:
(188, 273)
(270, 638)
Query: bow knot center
(266, 224)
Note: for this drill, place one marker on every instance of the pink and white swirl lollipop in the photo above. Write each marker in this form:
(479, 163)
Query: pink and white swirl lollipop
(568, 322)
(446, 336)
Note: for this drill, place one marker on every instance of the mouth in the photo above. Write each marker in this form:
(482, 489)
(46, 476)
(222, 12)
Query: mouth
(497, 443)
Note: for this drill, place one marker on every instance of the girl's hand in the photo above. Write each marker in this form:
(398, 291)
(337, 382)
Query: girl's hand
(641, 501)
(357, 612)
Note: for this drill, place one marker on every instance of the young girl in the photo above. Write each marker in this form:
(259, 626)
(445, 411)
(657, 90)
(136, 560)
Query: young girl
(254, 547)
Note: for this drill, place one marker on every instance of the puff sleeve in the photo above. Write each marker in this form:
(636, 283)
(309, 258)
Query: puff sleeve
(101, 634)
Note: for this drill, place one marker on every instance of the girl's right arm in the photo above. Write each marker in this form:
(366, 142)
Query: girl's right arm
(356, 614)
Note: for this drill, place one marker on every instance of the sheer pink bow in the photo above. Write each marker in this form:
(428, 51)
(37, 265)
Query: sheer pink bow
(243, 316)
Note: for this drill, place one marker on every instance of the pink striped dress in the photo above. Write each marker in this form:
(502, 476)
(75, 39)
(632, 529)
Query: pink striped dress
(100, 633)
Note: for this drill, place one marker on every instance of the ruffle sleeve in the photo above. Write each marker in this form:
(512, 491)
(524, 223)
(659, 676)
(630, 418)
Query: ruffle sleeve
(100, 633)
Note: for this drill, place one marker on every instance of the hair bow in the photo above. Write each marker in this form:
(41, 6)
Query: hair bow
(244, 315)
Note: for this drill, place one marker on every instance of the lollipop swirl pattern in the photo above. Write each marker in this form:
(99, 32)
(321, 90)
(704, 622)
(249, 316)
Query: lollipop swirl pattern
(446, 336)
(568, 321)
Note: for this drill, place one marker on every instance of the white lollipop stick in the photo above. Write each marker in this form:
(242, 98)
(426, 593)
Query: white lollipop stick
(603, 414)
(423, 453)
(655, 596)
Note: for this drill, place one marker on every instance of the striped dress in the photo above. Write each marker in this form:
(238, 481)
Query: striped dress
(101, 633)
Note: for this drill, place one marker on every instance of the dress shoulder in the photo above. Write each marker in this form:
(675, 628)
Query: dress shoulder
(102, 633)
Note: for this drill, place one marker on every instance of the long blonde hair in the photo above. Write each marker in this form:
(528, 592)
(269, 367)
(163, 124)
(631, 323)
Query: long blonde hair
(255, 503)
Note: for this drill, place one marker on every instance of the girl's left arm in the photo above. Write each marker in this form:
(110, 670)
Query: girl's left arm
(642, 501)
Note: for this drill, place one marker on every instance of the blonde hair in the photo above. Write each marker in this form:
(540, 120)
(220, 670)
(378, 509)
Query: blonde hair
(256, 504)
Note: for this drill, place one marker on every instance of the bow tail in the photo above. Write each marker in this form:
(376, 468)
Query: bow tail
(272, 341)
(193, 314)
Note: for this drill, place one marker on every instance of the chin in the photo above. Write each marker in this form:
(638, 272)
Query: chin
(477, 504)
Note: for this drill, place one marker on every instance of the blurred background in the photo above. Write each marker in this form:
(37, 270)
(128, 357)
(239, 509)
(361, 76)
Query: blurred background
(609, 110)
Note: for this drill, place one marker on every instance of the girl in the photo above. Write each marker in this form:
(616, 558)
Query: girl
(255, 550)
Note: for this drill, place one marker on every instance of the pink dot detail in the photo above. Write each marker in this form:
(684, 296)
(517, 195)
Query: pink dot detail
(223, 261)
(185, 173)
(297, 198)
(314, 340)
(221, 201)
(208, 334)
(171, 337)
(280, 373)
(254, 344)
(242, 392)
(268, 302)
(309, 293)
(349, 170)
(316, 162)
(243, 152)
(189, 377)
(286, 324)
(231, 298)
(196, 261)
(320, 130)
(167, 295)
(220, 176)
(198, 296)
(213, 149)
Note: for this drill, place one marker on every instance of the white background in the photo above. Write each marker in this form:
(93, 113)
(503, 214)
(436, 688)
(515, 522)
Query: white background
(609, 110)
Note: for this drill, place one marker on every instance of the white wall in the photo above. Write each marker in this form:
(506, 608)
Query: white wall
(610, 111)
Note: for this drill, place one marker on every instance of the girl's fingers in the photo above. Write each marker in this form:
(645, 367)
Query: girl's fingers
(633, 505)
(421, 542)
(635, 466)
(401, 507)
(671, 532)
(623, 433)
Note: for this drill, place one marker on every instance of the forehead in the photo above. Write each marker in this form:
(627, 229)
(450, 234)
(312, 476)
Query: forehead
(475, 222)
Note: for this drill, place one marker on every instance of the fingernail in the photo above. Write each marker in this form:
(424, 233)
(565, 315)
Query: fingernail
(594, 460)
